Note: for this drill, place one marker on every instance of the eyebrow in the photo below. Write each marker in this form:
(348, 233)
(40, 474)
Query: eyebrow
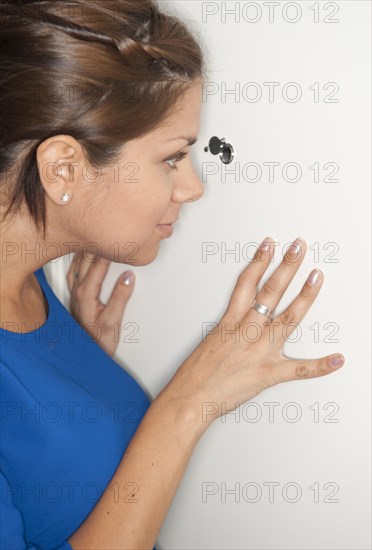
(190, 140)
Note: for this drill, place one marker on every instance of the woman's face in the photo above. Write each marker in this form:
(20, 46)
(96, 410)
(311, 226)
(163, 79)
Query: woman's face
(120, 215)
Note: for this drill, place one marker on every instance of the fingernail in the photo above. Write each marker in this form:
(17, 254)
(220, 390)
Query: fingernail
(296, 246)
(314, 277)
(127, 278)
(336, 360)
(265, 246)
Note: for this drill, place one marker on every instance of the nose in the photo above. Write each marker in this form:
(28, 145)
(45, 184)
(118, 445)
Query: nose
(189, 188)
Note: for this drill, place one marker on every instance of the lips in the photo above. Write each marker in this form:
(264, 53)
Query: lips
(166, 229)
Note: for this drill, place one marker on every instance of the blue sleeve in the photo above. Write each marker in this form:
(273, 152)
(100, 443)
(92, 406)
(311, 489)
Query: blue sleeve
(12, 531)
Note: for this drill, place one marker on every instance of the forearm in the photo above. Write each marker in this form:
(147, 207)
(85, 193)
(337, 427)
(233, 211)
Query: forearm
(154, 462)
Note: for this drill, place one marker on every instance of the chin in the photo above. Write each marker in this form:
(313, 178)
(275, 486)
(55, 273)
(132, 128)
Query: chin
(129, 255)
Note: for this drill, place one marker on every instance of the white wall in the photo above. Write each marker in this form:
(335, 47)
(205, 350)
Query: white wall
(324, 456)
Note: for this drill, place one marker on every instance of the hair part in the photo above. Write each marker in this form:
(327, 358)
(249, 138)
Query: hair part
(104, 79)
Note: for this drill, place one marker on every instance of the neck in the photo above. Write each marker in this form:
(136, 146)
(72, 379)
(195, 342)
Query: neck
(23, 251)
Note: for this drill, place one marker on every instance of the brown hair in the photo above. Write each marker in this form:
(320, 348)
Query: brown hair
(104, 78)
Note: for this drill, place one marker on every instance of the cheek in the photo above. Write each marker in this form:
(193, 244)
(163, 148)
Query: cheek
(133, 217)
(149, 207)
(85, 215)
(139, 204)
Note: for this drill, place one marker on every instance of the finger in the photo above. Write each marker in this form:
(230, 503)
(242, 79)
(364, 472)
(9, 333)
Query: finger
(78, 269)
(291, 369)
(291, 317)
(115, 307)
(274, 288)
(87, 260)
(70, 276)
(91, 276)
(248, 280)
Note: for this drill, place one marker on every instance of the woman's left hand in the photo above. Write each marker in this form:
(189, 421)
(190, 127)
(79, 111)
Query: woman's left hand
(102, 322)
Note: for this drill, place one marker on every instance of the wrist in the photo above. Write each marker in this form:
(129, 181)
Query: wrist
(187, 413)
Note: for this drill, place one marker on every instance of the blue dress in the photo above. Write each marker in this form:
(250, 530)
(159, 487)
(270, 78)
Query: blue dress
(68, 412)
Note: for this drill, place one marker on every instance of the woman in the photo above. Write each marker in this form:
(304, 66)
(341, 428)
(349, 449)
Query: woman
(99, 110)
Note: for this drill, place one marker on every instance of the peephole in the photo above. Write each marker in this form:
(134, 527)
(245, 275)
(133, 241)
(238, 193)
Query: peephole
(219, 147)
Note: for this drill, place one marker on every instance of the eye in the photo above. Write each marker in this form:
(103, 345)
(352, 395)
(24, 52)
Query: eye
(172, 162)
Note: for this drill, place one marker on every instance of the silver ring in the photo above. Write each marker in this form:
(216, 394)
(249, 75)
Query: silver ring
(264, 310)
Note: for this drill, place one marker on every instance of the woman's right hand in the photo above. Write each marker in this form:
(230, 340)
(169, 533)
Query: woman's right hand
(242, 355)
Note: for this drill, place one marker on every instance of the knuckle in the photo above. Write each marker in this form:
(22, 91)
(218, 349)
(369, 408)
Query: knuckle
(241, 278)
(79, 292)
(106, 326)
(321, 368)
(287, 317)
(302, 370)
(244, 276)
(268, 289)
(244, 283)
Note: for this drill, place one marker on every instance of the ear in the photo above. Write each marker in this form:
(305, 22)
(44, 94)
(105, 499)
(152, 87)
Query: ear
(60, 160)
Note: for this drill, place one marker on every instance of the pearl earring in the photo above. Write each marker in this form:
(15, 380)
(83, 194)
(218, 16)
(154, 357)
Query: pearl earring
(65, 197)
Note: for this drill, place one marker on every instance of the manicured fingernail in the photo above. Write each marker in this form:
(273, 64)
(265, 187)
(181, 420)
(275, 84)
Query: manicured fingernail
(336, 360)
(314, 277)
(295, 246)
(127, 278)
(265, 246)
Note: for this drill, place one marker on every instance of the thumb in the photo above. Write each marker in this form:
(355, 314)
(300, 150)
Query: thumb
(292, 369)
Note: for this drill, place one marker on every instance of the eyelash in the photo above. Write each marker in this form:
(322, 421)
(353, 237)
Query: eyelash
(178, 158)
